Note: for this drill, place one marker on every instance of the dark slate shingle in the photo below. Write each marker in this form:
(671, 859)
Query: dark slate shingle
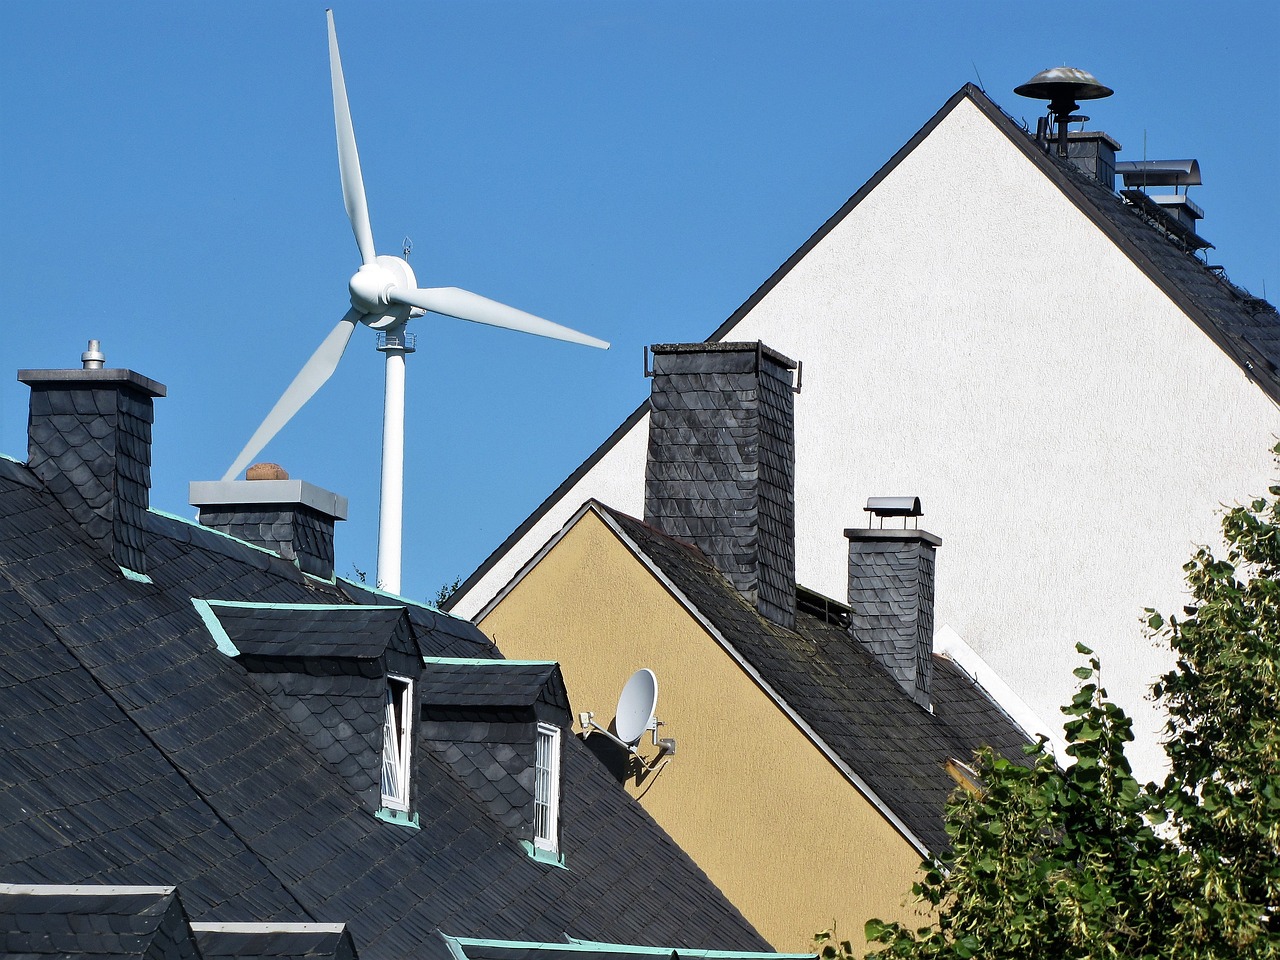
(136, 752)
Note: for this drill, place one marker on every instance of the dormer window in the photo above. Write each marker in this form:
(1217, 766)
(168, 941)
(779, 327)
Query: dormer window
(546, 789)
(395, 744)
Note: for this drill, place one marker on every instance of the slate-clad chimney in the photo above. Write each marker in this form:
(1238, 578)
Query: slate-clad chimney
(1094, 152)
(721, 465)
(891, 602)
(290, 517)
(89, 441)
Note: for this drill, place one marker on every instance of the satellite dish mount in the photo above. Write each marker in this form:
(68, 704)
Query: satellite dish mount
(636, 713)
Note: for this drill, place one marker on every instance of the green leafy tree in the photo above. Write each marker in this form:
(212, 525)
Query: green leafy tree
(1082, 862)
(1222, 794)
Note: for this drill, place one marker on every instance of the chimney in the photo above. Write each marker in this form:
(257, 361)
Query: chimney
(292, 518)
(1094, 152)
(89, 441)
(891, 575)
(721, 465)
(1174, 213)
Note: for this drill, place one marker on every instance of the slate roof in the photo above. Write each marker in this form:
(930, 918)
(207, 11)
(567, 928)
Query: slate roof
(517, 683)
(147, 924)
(1245, 327)
(137, 752)
(841, 691)
(302, 631)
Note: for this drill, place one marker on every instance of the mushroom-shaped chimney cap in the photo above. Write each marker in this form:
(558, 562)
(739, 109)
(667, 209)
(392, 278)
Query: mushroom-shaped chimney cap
(1063, 84)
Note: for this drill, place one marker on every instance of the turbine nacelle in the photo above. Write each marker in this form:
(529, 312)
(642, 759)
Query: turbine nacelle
(373, 287)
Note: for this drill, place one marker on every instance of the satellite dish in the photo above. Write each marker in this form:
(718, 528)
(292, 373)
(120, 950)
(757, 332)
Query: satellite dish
(384, 296)
(636, 706)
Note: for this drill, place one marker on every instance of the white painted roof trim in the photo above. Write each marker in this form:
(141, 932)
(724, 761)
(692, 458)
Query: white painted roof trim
(948, 643)
(80, 890)
(534, 560)
(268, 927)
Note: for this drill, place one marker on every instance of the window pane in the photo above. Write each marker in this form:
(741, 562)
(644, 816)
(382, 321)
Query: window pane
(546, 787)
(395, 744)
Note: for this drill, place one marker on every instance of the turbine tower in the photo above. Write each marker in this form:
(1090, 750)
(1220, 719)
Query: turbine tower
(384, 296)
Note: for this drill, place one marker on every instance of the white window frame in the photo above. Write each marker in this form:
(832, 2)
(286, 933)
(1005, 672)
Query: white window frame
(397, 739)
(546, 789)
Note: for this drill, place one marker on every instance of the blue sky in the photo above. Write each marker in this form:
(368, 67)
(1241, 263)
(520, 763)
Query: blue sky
(633, 170)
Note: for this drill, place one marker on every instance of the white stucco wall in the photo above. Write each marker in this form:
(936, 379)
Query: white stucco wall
(1069, 447)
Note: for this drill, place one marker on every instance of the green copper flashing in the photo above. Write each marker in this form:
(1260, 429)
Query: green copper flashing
(248, 605)
(383, 593)
(398, 817)
(483, 662)
(135, 576)
(190, 522)
(542, 856)
(205, 609)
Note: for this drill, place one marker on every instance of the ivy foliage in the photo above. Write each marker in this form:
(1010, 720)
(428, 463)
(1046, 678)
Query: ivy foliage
(1084, 862)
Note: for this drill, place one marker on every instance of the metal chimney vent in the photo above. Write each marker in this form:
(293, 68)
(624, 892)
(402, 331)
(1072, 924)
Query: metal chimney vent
(1174, 213)
(893, 507)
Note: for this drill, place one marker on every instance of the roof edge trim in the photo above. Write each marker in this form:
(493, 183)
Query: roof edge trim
(947, 643)
(482, 662)
(812, 735)
(196, 524)
(254, 605)
(268, 927)
(967, 91)
(400, 601)
(556, 495)
(574, 945)
(82, 890)
(533, 561)
(1177, 296)
(709, 954)
(548, 504)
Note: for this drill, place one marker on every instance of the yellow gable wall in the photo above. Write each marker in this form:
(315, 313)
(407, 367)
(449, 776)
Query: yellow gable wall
(779, 829)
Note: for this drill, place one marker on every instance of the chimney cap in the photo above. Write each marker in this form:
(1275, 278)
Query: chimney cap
(725, 346)
(873, 534)
(216, 493)
(894, 507)
(1160, 173)
(79, 377)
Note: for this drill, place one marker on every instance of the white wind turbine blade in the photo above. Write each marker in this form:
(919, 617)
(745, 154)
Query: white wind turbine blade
(310, 378)
(348, 157)
(464, 305)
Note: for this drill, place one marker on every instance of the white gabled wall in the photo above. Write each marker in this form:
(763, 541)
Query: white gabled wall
(970, 337)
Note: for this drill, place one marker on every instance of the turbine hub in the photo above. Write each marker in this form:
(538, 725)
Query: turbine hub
(371, 290)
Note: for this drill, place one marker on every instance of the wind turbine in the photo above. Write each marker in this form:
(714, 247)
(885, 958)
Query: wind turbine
(384, 295)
